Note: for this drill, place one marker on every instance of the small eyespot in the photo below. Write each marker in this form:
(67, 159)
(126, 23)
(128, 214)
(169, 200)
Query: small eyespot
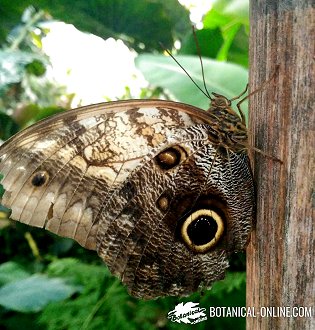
(40, 178)
(163, 202)
(170, 157)
(202, 230)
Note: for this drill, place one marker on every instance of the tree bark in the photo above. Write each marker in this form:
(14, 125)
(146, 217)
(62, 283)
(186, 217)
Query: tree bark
(280, 256)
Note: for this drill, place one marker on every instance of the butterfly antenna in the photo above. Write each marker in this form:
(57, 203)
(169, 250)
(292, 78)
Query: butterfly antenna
(261, 87)
(189, 76)
(201, 63)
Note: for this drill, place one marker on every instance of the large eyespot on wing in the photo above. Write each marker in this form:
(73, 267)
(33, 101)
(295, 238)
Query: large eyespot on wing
(202, 230)
(59, 172)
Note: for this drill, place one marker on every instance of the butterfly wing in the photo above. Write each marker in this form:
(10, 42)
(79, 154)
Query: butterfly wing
(121, 178)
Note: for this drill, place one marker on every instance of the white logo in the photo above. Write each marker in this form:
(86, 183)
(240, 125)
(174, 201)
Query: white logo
(187, 313)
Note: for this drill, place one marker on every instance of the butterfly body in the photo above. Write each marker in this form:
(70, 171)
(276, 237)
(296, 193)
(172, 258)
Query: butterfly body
(161, 190)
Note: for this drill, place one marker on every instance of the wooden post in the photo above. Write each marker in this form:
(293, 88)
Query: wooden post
(281, 254)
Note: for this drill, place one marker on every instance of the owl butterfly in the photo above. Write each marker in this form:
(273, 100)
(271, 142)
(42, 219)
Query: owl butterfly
(162, 190)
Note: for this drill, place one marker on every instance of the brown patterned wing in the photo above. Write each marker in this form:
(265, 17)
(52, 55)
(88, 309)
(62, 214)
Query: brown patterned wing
(141, 183)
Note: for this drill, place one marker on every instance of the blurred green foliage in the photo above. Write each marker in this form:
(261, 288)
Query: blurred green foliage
(48, 282)
(138, 22)
(26, 94)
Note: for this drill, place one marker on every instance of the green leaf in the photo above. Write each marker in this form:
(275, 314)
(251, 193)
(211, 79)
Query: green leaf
(36, 68)
(232, 17)
(227, 12)
(235, 8)
(8, 126)
(238, 52)
(103, 302)
(233, 281)
(229, 35)
(34, 293)
(11, 271)
(209, 40)
(2, 208)
(220, 77)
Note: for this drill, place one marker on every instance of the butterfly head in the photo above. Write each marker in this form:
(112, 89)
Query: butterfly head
(220, 101)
